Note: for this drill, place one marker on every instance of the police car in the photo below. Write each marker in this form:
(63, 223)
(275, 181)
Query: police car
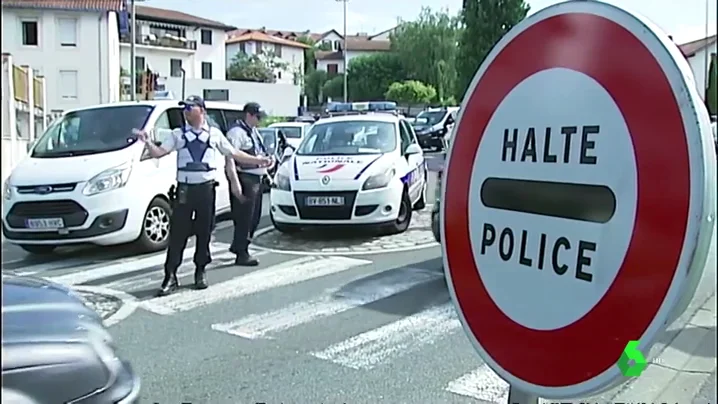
(355, 169)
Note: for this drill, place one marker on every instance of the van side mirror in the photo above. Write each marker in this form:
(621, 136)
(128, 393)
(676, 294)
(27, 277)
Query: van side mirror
(287, 153)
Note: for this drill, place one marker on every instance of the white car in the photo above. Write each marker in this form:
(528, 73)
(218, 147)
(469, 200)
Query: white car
(293, 131)
(363, 169)
(87, 181)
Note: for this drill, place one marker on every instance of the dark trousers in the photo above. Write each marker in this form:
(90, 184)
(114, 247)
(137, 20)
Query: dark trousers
(246, 213)
(198, 201)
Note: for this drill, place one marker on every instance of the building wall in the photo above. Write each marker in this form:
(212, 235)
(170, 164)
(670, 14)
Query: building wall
(49, 58)
(214, 54)
(275, 99)
(700, 67)
(158, 59)
(322, 64)
(292, 56)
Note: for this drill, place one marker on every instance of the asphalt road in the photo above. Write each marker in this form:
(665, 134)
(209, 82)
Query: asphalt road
(339, 317)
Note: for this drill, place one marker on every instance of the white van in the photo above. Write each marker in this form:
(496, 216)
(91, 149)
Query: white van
(294, 131)
(87, 180)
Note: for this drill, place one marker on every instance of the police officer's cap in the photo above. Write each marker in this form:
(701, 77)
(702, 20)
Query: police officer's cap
(193, 101)
(254, 109)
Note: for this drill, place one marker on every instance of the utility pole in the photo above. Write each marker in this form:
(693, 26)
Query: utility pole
(344, 52)
(133, 67)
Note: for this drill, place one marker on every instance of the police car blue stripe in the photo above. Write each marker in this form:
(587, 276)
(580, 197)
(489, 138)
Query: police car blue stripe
(367, 166)
(296, 171)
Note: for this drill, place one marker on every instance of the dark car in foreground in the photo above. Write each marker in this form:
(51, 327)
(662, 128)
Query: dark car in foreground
(57, 350)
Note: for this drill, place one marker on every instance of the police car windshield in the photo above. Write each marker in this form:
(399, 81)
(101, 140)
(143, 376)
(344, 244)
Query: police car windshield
(291, 132)
(349, 138)
(91, 131)
(430, 117)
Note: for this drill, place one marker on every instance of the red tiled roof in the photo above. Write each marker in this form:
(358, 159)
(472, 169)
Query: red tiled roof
(79, 5)
(263, 37)
(691, 48)
(162, 15)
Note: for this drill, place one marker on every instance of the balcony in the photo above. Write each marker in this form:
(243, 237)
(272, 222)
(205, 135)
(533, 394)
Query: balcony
(166, 41)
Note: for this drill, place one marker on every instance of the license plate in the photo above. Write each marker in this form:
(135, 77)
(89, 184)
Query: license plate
(50, 223)
(325, 201)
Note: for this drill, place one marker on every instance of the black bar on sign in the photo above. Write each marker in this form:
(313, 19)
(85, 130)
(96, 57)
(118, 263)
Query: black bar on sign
(587, 203)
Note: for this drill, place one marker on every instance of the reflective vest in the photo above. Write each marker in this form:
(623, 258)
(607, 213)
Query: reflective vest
(257, 148)
(197, 154)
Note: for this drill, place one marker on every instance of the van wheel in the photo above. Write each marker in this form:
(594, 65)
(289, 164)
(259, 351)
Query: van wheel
(284, 228)
(155, 226)
(404, 218)
(38, 249)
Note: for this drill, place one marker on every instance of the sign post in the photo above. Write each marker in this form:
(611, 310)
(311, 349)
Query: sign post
(582, 183)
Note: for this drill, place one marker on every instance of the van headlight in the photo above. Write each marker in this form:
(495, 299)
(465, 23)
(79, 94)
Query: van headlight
(108, 180)
(380, 180)
(282, 182)
(7, 190)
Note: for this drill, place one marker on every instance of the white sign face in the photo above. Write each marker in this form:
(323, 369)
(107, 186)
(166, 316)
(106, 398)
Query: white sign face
(574, 133)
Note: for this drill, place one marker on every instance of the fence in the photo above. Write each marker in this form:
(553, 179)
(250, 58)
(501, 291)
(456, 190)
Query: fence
(24, 115)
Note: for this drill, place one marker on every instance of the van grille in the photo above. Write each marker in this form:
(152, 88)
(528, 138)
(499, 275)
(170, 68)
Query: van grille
(70, 211)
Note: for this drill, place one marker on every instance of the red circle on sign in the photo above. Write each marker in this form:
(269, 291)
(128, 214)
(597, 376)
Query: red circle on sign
(630, 73)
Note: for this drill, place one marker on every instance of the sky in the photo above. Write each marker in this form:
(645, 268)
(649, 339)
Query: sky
(685, 20)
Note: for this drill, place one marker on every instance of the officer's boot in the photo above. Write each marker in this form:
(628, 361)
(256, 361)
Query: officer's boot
(200, 278)
(170, 284)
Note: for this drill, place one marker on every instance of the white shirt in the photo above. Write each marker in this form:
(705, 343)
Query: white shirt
(240, 139)
(216, 141)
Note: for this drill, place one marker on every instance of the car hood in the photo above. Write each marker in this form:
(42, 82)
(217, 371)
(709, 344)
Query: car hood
(36, 310)
(338, 167)
(44, 171)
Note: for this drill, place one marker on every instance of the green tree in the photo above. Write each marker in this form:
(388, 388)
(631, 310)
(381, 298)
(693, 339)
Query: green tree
(334, 88)
(712, 90)
(427, 49)
(313, 86)
(410, 92)
(485, 22)
(370, 75)
(259, 68)
(309, 56)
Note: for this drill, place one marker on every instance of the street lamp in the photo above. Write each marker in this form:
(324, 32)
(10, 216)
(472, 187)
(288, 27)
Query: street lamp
(344, 50)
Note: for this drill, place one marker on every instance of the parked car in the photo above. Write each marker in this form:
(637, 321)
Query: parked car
(87, 180)
(56, 349)
(294, 131)
(434, 127)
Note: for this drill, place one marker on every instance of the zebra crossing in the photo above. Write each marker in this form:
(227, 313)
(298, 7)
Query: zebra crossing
(402, 337)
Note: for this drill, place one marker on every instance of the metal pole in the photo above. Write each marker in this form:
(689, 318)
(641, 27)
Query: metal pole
(346, 64)
(133, 68)
(519, 397)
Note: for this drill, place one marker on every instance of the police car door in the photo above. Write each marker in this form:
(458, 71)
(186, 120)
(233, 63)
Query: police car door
(415, 173)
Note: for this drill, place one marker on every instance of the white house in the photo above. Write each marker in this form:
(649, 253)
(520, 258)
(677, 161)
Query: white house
(169, 41)
(73, 44)
(699, 55)
(286, 51)
(332, 61)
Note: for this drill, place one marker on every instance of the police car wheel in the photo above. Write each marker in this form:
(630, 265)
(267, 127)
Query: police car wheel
(38, 249)
(155, 226)
(404, 218)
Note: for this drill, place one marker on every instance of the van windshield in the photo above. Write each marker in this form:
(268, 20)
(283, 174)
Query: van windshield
(92, 131)
(430, 117)
(291, 132)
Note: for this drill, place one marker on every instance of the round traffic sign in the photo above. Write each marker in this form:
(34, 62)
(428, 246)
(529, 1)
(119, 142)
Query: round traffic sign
(579, 197)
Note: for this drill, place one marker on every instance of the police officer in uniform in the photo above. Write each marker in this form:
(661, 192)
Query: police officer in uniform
(248, 178)
(198, 147)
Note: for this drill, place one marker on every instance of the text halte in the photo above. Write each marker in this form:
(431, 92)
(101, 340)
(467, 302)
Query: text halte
(554, 144)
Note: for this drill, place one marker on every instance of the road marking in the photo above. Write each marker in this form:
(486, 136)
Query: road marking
(380, 345)
(331, 302)
(140, 282)
(55, 265)
(125, 266)
(481, 384)
(129, 302)
(284, 274)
